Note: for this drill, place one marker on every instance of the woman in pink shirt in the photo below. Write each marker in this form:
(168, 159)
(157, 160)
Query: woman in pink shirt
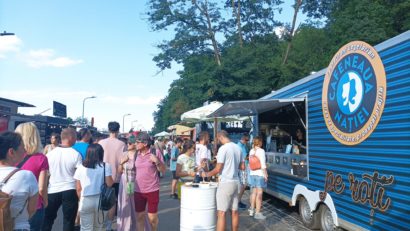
(36, 162)
(146, 194)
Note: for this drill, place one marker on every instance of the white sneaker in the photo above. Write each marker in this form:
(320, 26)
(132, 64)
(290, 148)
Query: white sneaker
(259, 216)
(251, 212)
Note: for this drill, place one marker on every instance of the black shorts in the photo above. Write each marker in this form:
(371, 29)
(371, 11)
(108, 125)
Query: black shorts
(174, 175)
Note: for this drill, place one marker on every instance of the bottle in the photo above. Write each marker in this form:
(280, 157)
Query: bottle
(197, 178)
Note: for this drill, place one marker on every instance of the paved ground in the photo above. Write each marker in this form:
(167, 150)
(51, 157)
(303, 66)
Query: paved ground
(279, 215)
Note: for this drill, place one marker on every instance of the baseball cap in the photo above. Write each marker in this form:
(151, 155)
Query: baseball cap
(132, 139)
(143, 137)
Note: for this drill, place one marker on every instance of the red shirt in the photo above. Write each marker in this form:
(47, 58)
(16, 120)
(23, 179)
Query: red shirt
(147, 176)
(36, 163)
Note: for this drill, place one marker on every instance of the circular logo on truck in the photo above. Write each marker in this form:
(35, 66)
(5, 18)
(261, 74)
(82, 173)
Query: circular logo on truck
(354, 93)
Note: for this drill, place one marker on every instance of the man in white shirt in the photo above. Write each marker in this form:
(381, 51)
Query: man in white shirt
(229, 161)
(63, 161)
(202, 153)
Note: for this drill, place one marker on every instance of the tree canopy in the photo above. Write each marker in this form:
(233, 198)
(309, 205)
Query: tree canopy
(230, 51)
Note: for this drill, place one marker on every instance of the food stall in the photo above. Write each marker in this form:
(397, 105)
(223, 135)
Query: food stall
(277, 121)
(354, 120)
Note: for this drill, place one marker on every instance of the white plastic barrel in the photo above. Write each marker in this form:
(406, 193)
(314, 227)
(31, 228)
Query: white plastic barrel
(198, 208)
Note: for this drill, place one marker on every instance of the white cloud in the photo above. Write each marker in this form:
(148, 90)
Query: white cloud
(41, 54)
(280, 31)
(9, 44)
(46, 58)
(34, 58)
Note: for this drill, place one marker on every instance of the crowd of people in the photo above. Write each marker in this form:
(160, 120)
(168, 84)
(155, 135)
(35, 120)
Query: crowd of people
(69, 172)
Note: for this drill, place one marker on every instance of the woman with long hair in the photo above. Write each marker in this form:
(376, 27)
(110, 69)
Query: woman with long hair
(36, 162)
(90, 176)
(259, 179)
(54, 142)
(186, 162)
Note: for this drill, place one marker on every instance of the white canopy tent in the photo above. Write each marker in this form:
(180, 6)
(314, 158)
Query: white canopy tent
(162, 134)
(201, 114)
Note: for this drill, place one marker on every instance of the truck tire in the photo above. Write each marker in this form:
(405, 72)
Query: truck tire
(310, 219)
(326, 219)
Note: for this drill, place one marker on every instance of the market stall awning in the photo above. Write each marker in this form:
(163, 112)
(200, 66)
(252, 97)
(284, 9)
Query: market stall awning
(161, 134)
(252, 107)
(202, 114)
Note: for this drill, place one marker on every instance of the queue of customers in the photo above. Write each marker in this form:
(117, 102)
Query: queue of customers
(71, 174)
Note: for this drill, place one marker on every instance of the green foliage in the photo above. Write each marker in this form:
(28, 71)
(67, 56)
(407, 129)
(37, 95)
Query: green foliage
(367, 20)
(195, 23)
(252, 68)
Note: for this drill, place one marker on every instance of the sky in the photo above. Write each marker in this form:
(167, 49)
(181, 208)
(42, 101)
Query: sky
(66, 51)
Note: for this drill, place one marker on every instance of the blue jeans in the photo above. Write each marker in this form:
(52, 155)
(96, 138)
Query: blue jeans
(36, 221)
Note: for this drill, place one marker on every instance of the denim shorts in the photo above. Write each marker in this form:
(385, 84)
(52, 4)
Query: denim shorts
(249, 177)
(258, 182)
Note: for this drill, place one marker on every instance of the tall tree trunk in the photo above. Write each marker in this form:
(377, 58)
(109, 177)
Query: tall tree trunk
(237, 13)
(298, 3)
(211, 33)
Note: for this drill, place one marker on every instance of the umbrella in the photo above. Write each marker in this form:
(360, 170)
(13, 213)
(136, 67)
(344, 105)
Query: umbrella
(161, 134)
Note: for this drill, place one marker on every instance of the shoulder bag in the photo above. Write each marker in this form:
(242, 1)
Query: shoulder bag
(107, 196)
(130, 184)
(254, 162)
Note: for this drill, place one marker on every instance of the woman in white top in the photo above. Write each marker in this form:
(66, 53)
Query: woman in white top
(22, 185)
(186, 162)
(89, 178)
(259, 179)
(54, 142)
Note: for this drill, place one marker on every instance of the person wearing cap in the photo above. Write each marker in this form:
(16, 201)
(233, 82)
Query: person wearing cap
(126, 215)
(148, 165)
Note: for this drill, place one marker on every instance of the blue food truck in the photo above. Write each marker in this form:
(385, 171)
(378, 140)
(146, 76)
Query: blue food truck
(338, 141)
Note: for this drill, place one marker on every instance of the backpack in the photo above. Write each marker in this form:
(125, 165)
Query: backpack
(254, 162)
(6, 221)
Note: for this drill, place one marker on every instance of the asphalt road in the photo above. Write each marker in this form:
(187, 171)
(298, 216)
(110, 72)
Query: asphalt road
(279, 216)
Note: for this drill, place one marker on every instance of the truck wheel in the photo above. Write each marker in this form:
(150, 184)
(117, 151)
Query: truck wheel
(326, 219)
(310, 219)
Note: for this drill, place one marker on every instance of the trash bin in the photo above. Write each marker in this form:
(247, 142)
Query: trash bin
(198, 207)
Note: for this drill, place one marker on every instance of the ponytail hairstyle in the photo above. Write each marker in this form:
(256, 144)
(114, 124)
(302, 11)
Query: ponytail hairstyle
(188, 144)
(257, 142)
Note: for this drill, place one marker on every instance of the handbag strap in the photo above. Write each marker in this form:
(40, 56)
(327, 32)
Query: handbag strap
(23, 161)
(99, 201)
(9, 176)
(104, 172)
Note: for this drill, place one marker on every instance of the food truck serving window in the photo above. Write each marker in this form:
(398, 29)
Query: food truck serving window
(282, 125)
